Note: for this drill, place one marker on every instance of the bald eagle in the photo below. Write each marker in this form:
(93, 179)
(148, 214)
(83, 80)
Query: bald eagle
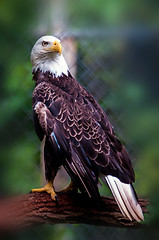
(77, 132)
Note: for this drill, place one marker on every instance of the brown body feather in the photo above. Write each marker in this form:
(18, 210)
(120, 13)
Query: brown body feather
(78, 133)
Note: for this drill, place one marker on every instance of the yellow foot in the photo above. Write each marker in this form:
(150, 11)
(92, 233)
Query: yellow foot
(71, 188)
(49, 189)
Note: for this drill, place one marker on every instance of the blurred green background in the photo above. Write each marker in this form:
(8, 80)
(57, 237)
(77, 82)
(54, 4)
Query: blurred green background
(113, 50)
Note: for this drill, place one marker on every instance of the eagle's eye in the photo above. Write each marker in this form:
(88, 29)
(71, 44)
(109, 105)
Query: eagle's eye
(44, 43)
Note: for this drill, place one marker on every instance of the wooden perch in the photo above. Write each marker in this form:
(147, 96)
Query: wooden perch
(36, 208)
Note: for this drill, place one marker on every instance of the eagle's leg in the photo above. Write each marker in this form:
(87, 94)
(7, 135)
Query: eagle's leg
(51, 168)
(49, 188)
(71, 188)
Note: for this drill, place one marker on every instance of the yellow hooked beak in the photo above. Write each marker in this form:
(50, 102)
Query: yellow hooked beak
(55, 48)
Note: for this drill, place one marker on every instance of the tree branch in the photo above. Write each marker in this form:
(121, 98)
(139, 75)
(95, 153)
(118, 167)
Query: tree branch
(36, 208)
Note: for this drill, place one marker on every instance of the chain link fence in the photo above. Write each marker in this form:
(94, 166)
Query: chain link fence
(118, 69)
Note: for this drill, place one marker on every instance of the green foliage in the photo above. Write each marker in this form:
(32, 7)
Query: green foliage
(18, 153)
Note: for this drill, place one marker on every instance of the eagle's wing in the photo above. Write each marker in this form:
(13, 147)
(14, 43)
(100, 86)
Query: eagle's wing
(119, 161)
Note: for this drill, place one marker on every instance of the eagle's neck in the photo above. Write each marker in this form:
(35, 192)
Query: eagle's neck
(62, 81)
(57, 66)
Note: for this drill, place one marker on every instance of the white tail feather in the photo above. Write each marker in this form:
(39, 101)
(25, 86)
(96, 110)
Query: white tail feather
(125, 198)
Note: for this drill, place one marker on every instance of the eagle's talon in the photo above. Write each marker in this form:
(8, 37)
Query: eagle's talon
(56, 199)
(49, 189)
(54, 196)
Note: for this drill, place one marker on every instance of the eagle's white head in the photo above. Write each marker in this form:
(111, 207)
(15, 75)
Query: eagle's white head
(46, 55)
